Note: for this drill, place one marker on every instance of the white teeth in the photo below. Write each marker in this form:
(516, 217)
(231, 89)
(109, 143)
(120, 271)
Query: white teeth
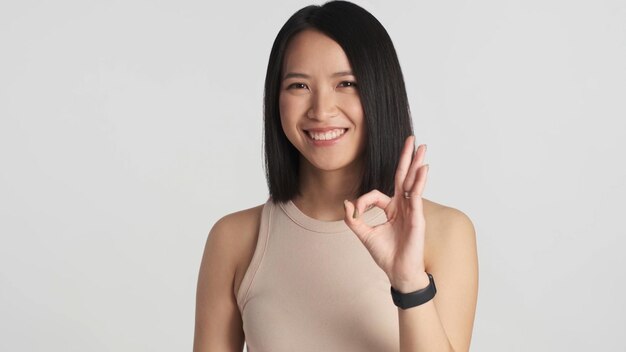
(326, 135)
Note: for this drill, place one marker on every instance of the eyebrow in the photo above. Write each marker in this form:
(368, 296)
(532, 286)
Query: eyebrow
(303, 75)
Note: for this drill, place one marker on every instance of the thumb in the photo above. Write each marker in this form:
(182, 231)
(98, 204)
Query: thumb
(355, 221)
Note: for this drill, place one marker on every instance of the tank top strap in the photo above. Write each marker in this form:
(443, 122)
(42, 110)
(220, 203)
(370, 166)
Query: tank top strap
(259, 253)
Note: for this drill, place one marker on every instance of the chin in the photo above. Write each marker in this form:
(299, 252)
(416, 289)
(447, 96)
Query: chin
(328, 165)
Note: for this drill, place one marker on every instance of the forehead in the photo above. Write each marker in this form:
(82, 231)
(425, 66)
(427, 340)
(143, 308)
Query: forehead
(312, 50)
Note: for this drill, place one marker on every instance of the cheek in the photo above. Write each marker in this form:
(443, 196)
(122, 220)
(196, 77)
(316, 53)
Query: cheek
(292, 109)
(358, 116)
(353, 108)
(283, 110)
(287, 109)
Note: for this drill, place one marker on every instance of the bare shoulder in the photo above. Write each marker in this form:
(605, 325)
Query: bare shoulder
(450, 255)
(238, 234)
(443, 218)
(218, 320)
(231, 225)
(447, 229)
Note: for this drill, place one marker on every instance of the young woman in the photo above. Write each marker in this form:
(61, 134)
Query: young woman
(346, 254)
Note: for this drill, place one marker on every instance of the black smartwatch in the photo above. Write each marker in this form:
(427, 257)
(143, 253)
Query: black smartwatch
(413, 299)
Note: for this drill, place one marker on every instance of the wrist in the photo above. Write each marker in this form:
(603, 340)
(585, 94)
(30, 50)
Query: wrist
(418, 282)
(406, 300)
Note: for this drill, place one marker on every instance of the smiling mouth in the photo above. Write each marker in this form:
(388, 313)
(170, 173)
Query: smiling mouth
(328, 135)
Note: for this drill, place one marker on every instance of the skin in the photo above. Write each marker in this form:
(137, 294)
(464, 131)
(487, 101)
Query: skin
(328, 175)
(420, 235)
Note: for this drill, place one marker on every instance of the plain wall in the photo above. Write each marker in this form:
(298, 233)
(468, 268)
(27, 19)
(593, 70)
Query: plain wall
(127, 128)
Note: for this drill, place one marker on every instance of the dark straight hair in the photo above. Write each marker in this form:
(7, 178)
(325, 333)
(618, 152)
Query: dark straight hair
(381, 90)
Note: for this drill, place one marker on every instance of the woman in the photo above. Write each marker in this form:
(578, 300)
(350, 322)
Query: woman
(345, 254)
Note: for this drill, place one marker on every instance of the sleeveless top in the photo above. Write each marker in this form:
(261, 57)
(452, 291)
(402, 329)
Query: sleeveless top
(313, 286)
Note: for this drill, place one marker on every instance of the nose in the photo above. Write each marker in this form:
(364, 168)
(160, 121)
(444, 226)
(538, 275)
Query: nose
(323, 105)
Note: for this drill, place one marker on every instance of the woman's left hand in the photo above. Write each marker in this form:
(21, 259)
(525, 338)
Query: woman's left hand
(397, 245)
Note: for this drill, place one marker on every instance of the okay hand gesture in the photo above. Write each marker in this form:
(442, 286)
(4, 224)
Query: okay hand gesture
(397, 245)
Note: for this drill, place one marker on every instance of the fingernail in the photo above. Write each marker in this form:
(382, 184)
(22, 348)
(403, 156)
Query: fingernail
(356, 212)
(425, 147)
(344, 204)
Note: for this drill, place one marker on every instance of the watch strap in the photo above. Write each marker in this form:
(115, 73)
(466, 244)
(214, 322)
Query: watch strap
(416, 298)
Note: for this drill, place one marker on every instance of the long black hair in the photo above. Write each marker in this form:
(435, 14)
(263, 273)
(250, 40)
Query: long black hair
(381, 90)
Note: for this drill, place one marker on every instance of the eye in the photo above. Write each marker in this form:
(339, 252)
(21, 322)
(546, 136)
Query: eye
(296, 86)
(348, 84)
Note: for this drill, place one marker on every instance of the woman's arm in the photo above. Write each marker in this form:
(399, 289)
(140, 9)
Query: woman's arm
(218, 322)
(445, 323)
(400, 249)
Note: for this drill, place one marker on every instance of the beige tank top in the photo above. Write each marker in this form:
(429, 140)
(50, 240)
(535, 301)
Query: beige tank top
(313, 286)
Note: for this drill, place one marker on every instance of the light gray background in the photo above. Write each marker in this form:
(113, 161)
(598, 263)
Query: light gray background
(127, 128)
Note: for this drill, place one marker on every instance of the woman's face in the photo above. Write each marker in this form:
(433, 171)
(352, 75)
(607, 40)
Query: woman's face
(320, 108)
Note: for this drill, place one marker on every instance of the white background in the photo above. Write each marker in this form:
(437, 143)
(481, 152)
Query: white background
(127, 128)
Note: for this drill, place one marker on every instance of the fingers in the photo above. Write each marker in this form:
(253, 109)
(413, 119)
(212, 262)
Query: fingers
(418, 187)
(417, 162)
(357, 226)
(416, 201)
(374, 197)
(353, 217)
(403, 164)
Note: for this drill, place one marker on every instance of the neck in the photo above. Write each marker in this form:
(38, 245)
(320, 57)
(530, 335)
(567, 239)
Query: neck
(322, 192)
